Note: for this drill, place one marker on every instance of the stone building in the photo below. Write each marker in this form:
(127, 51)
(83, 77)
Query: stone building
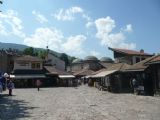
(90, 63)
(129, 56)
(154, 66)
(113, 78)
(57, 77)
(27, 69)
(54, 61)
(106, 61)
(147, 73)
(7, 60)
(76, 65)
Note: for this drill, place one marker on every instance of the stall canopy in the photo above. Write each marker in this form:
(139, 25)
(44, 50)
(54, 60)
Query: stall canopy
(66, 76)
(28, 76)
(104, 73)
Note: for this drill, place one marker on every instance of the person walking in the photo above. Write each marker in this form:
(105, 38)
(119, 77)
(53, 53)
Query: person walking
(38, 84)
(135, 85)
(1, 87)
(10, 86)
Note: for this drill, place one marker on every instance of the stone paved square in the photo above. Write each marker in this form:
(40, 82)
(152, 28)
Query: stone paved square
(76, 103)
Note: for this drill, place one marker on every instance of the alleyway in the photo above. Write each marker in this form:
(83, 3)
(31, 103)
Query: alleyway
(81, 103)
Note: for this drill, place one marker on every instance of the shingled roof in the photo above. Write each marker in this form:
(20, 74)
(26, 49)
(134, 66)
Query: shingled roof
(52, 70)
(106, 65)
(129, 52)
(84, 72)
(155, 60)
(28, 58)
(141, 66)
(116, 67)
(119, 66)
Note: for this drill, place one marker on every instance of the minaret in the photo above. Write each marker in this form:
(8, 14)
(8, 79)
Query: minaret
(47, 52)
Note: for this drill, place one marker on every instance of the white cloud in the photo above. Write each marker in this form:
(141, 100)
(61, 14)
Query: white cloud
(3, 30)
(68, 14)
(75, 10)
(95, 53)
(128, 28)
(86, 17)
(12, 24)
(44, 35)
(73, 44)
(39, 17)
(105, 33)
(56, 41)
(89, 24)
(104, 25)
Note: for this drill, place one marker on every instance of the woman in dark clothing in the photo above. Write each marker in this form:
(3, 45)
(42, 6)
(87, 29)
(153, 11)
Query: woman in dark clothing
(10, 86)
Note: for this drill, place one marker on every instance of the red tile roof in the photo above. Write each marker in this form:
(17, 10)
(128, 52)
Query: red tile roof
(129, 52)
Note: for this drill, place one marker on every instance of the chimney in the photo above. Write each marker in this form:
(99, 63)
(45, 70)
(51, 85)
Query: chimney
(141, 51)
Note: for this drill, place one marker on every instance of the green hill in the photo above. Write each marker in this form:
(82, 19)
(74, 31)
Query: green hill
(22, 47)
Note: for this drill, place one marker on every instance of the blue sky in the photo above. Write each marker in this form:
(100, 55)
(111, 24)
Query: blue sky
(82, 27)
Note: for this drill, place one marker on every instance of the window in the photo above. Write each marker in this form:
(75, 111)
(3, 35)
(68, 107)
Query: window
(23, 63)
(143, 58)
(35, 65)
(38, 66)
(137, 59)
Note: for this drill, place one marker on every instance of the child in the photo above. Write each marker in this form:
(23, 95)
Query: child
(10, 86)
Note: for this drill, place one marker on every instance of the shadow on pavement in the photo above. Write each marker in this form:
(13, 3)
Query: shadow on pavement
(11, 109)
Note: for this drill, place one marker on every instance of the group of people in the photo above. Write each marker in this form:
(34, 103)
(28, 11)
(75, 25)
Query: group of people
(6, 82)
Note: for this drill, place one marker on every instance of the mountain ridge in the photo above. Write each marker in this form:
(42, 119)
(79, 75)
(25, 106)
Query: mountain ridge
(21, 47)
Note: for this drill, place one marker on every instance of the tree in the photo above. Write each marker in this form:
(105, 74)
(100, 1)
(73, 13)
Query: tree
(29, 51)
(42, 54)
(71, 59)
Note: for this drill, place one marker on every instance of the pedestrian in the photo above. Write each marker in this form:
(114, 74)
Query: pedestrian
(1, 87)
(3, 80)
(10, 86)
(38, 84)
(135, 85)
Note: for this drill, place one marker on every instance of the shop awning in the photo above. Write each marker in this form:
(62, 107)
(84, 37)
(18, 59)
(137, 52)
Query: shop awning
(134, 70)
(31, 76)
(66, 76)
(88, 76)
(104, 73)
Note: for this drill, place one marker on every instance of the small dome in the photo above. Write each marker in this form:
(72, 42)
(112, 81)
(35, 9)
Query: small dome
(106, 59)
(90, 58)
(77, 61)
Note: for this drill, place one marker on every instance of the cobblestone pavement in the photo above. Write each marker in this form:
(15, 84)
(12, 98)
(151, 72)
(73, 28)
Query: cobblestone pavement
(81, 103)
